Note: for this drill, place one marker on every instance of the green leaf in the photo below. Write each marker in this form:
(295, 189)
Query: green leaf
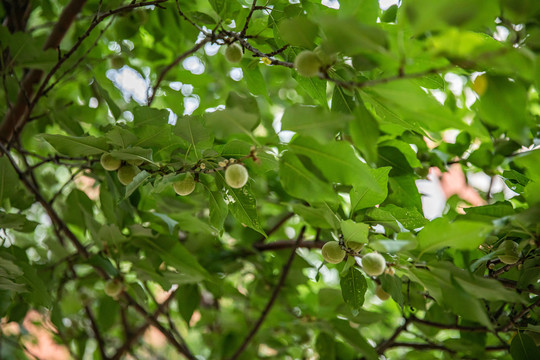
(353, 288)
(76, 146)
(457, 13)
(322, 216)
(17, 222)
(351, 37)
(404, 103)
(365, 133)
(188, 300)
(504, 105)
(314, 121)
(138, 180)
(8, 179)
(231, 121)
(326, 346)
(301, 183)
(392, 285)
(314, 87)
(253, 76)
(355, 232)
(298, 31)
(115, 110)
(191, 129)
(189, 271)
(133, 153)
(460, 235)
(354, 338)
(242, 205)
(338, 163)
(523, 347)
(218, 209)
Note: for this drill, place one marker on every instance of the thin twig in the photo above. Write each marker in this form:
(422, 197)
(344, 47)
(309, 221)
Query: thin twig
(173, 64)
(276, 227)
(188, 19)
(448, 326)
(272, 299)
(97, 333)
(387, 343)
(248, 18)
(135, 335)
(521, 314)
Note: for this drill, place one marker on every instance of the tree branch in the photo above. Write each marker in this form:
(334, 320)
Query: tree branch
(17, 118)
(272, 299)
(386, 344)
(130, 340)
(248, 18)
(449, 327)
(274, 228)
(97, 333)
(521, 314)
(421, 346)
(14, 115)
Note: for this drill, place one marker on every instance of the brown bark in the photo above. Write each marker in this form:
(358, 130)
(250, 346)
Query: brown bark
(15, 116)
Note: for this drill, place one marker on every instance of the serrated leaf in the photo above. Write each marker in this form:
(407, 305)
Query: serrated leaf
(243, 205)
(353, 288)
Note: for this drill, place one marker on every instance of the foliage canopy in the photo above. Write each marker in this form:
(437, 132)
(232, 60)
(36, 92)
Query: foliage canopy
(234, 271)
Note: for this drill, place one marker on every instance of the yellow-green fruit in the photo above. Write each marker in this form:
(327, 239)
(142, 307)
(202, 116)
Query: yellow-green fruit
(373, 264)
(381, 294)
(307, 63)
(510, 254)
(109, 163)
(236, 176)
(136, 162)
(234, 53)
(186, 186)
(113, 288)
(332, 252)
(126, 174)
(354, 246)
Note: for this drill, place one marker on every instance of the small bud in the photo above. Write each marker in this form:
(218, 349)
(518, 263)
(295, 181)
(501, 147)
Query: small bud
(390, 271)
(222, 163)
(491, 266)
(202, 166)
(232, 160)
(520, 266)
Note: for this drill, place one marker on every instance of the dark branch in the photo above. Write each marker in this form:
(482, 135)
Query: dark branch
(97, 333)
(248, 18)
(272, 299)
(134, 336)
(14, 115)
(386, 344)
(448, 326)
